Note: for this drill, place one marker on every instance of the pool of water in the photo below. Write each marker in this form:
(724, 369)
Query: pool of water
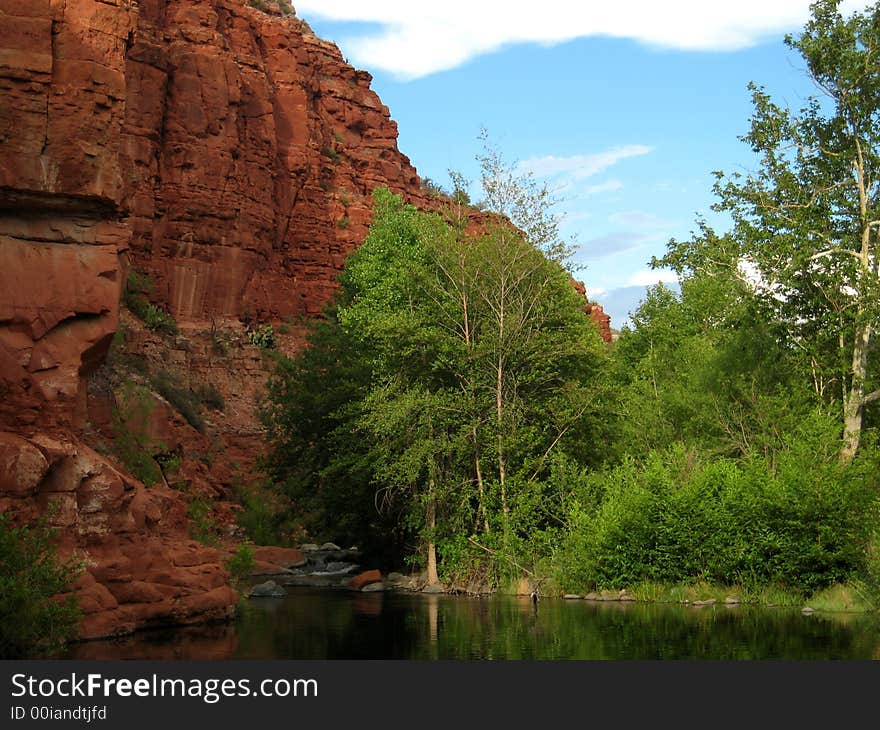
(336, 624)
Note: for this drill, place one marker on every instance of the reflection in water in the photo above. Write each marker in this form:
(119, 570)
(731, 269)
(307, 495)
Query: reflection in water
(433, 613)
(325, 624)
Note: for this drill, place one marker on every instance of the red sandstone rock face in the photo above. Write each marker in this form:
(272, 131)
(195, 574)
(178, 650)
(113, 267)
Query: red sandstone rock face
(141, 570)
(231, 153)
(63, 88)
(63, 91)
(597, 314)
(250, 149)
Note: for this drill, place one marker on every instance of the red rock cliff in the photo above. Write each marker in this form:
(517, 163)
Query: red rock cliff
(228, 153)
(250, 149)
(63, 233)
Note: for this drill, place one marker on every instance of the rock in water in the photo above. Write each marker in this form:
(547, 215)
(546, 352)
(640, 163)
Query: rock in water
(269, 589)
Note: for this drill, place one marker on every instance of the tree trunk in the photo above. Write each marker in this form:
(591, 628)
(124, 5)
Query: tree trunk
(854, 406)
(481, 510)
(431, 520)
(502, 467)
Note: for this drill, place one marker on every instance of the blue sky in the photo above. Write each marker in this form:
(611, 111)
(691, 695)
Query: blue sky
(623, 109)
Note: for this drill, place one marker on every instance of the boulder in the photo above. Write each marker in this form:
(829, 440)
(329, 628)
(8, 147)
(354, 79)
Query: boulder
(269, 589)
(364, 579)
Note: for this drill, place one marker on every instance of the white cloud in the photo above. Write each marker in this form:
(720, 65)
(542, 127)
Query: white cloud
(580, 167)
(416, 39)
(608, 186)
(611, 244)
(649, 277)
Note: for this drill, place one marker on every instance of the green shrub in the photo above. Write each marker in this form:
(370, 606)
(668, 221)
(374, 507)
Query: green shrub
(120, 358)
(241, 563)
(211, 397)
(221, 340)
(261, 515)
(344, 222)
(182, 399)
(331, 153)
(203, 527)
(158, 320)
(132, 443)
(33, 620)
(170, 463)
(432, 188)
(802, 522)
(153, 316)
(263, 337)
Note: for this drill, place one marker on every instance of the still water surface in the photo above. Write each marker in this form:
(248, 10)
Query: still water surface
(327, 624)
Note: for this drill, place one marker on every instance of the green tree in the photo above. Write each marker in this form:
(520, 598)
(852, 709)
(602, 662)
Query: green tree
(34, 619)
(806, 221)
(475, 363)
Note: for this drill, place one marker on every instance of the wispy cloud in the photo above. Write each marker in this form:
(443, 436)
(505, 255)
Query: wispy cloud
(650, 277)
(580, 167)
(609, 186)
(416, 39)
(611, 243)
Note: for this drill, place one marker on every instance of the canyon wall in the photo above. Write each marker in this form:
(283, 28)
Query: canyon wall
(229, 155)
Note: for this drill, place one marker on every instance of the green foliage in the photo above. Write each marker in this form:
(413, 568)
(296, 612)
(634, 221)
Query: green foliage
(121, 358)
(802, 522)
(344, 222)
(158, 320)
(707, 368)
(332, 154)
(203, 526)
(397, 409)
(241, 563)
(263, 515)
(170, 463)
(805, 219)
(285, 7)
(33, 618)
(263, 337)
(211, 397)
(181, 398)
(433, 189)
(131, 439)
(221, 339)
(134, 297)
